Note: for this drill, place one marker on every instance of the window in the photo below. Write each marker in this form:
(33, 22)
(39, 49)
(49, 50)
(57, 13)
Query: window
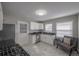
(23, 28)
(48, 27)
(64, 29)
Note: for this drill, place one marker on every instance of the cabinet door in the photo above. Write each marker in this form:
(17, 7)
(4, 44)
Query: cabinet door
(34, 39)
(1, 17)
(40, 25)
(47, 38)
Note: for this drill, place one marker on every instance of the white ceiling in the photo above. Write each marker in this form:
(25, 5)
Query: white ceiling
(27, 9)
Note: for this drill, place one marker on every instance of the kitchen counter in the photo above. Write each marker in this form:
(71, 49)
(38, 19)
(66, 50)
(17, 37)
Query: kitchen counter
(48, 33)
(46, 37)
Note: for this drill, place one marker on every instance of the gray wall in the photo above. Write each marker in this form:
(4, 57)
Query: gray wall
(78, 25)
(73, 18)
(9, 19)
(8, 32)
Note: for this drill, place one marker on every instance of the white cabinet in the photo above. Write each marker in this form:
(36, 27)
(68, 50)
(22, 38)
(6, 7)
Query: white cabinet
(33, 39)
(1, 17)
(36, 26)
(47, 38)
(40, 25)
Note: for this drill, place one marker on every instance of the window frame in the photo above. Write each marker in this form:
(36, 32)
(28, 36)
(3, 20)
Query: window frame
(65, 30)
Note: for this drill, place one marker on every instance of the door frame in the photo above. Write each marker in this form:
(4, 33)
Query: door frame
(18, 30)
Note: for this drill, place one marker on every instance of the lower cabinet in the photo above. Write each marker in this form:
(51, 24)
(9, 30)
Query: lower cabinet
(47, 38)
(34, 39)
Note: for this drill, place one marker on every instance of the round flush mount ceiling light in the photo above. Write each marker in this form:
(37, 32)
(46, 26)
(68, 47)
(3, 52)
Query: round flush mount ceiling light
(41, 12)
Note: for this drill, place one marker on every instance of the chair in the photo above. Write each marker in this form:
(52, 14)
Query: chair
(69, 44)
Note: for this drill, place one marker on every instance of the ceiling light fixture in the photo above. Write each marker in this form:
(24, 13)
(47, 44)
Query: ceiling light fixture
(41, 12)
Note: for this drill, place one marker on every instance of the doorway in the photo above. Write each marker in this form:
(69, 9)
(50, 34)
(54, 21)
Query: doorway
(22, 31)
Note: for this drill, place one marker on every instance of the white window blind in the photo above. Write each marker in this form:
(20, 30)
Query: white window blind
(64, 29)
(48, 27)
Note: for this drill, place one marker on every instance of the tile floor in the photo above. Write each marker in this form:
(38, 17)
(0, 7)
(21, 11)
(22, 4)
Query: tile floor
(43, 49)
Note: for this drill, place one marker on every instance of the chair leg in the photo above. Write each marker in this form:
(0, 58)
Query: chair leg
(77, 51)
(70, 52)
(57, 46)
(54, 42)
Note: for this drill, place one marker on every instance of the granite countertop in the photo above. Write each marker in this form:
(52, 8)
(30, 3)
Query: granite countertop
(35, 33)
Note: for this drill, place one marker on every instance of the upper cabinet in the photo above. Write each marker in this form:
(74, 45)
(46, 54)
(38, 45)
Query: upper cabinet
(41, 26)
(36, 26)
(1, 17)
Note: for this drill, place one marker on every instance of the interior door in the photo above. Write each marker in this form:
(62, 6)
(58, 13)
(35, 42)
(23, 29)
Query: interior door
(23, 37)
